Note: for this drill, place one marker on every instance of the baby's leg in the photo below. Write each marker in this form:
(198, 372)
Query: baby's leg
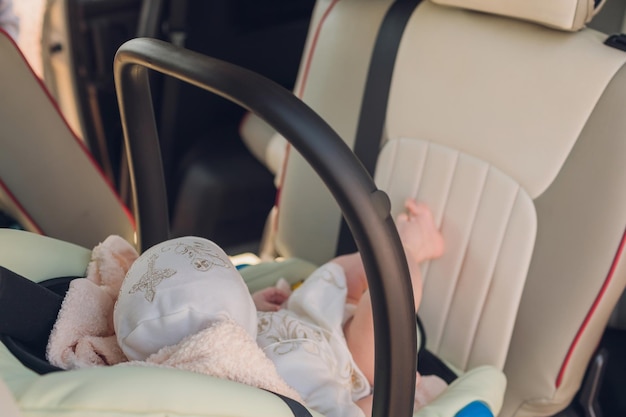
(418, 232)
(421, 241)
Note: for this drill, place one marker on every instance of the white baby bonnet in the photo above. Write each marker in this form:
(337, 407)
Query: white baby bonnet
(175, 289)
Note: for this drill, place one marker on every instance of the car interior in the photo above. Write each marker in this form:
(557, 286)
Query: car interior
(504, 117)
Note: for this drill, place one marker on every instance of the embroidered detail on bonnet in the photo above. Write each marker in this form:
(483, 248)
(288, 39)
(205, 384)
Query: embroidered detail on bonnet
(200, 257)
(151, 279)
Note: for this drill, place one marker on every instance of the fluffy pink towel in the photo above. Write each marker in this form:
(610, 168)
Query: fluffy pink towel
(83, 334)
(224, 350)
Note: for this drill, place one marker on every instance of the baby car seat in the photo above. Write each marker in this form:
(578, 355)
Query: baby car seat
(126, 390)
(506, 117)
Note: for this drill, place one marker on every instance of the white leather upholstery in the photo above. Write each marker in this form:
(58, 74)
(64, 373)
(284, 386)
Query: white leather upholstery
(578, 270)
(519, 91)
(537, 108)
(338, 62)
(48, 180)
(572, 15)
(321, 66)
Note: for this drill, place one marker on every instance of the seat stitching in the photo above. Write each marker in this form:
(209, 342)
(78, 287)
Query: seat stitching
(492, 274)
(462, 263)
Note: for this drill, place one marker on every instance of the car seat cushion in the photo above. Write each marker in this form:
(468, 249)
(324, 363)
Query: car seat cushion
(134, 391)
(43, 258)
(9, 406)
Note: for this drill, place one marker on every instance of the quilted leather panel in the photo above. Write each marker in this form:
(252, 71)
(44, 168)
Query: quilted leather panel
(472, 293)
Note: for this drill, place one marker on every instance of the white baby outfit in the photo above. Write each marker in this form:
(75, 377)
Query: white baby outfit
(305, 341)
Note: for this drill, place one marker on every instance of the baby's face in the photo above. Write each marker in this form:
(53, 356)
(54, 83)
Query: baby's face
(175, 289)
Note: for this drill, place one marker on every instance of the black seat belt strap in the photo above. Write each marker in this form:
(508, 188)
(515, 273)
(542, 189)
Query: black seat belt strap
(296, 408)
(375, 97)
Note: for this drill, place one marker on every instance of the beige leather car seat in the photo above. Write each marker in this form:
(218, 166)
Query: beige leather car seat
(48, 180)
(507, 120)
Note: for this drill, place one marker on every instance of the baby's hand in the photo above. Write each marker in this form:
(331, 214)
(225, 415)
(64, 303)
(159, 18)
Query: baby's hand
(269, 299)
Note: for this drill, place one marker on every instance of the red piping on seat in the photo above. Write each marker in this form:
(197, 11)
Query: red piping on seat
(80, 143)
(591, 312)
(299, 94)
(20, 208)
(309, 59)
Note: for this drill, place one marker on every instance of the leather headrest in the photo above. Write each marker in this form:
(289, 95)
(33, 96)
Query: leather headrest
(570, 15)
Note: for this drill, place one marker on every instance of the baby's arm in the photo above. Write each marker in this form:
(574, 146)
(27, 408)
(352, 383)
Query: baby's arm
(269, 299)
